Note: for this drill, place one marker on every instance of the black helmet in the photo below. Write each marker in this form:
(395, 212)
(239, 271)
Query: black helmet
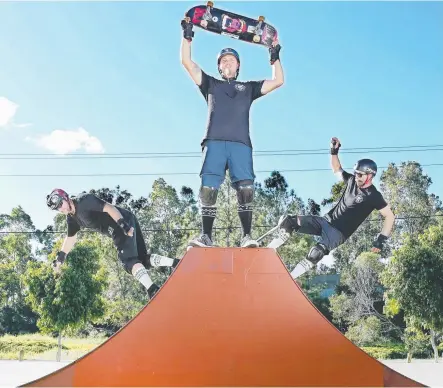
(366, 166)
(55, 199)
(228, 51)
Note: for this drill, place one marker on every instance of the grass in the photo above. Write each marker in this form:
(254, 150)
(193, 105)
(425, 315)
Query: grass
(41, 347)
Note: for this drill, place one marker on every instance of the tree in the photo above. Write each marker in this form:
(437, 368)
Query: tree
(67, 302)
(363, 299)
(367, 331)
(413, 278)
(15, 251)
(406, 188)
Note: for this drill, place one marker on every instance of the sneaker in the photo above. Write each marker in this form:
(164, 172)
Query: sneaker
(202, 241)
(153, 290)
(175, 263)
(248, 242)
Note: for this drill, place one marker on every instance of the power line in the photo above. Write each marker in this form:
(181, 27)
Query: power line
(198, 229)
(182, 173)
(156, 155)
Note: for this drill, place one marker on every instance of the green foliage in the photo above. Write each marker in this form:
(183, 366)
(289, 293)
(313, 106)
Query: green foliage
(367, 332)
(68, 301)
(386, 353)
(414, 275)
(363, 300)
(313, 292)
(406, 189)
(36, 346)
(10, 344)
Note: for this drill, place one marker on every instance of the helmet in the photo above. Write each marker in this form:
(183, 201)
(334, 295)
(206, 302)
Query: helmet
(366, 166)
(55, 199)
(228, 51)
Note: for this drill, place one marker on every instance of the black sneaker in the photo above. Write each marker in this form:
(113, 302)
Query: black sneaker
(153, 290)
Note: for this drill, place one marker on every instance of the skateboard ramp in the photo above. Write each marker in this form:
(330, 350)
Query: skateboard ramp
(228, 317)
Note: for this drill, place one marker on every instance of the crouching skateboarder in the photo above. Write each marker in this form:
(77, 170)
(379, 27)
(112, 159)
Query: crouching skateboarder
(89, 211)
(357, 202)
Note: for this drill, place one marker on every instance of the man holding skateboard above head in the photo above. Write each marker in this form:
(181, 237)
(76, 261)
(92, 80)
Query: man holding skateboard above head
(89, 211)
(357, 202)
(227, 143)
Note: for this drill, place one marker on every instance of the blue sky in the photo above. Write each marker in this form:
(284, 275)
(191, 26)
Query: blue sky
(109, 74)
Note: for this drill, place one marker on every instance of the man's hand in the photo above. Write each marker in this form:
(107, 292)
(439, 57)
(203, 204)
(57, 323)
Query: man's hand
(57, 267)
(274, 51)
(57, 263)
(378, 243)
(186, 24)
(127, 229)
(335, 146)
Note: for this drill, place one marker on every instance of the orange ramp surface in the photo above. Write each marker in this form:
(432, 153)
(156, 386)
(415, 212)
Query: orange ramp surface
(228, 317)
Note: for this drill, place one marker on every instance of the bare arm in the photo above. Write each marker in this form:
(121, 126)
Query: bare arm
(116, 216)
(277, 78)
(68, 244)
(335, 161)
(192, 68)
(388, 222)
(112, 211)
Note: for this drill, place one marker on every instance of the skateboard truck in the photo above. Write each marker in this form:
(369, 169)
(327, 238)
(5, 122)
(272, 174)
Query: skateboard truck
(258, 30)
(207, 15)
(267, 233)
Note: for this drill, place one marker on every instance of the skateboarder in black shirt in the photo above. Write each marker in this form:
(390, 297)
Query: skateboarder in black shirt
(357, 202)
(227, 144)
(89, 211)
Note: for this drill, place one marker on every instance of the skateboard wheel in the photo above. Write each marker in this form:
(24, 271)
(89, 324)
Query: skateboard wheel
(210, 4)
(261, 18)
(256, 38)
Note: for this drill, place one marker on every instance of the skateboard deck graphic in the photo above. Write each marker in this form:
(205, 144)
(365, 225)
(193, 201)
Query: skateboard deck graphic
(235, 26)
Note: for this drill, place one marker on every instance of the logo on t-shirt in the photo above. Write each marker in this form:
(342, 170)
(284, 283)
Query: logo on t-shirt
(240, 87)
(359, 198)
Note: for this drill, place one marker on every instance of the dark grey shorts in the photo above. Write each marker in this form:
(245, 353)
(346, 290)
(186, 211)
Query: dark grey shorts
(131, 250)
(319, 226)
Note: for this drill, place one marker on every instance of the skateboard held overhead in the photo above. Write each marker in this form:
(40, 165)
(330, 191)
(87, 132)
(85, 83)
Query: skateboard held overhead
(235, 26)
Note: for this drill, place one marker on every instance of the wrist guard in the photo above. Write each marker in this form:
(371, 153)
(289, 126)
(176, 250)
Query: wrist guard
(274, 53)
(124, 225)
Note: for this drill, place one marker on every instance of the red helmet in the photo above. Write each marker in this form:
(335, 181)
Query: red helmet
(55, 199)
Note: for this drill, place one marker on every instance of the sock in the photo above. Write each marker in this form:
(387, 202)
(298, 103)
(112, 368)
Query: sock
(161, 261)
(302, 267)
(208, 217)
(245, 214)
(143, 277)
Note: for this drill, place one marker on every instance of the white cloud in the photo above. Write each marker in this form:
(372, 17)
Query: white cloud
(8, 110)
(65, 141)
(24, 125)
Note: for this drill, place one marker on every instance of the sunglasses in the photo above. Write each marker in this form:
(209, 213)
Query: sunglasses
(359, 174)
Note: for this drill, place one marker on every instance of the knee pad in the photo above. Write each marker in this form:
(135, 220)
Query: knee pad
(316, 253)
(208, 195)
(245, 192)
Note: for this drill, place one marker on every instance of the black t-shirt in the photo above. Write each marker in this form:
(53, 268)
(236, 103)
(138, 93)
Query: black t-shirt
(354, 206)
(89, 214)
(229, 104)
